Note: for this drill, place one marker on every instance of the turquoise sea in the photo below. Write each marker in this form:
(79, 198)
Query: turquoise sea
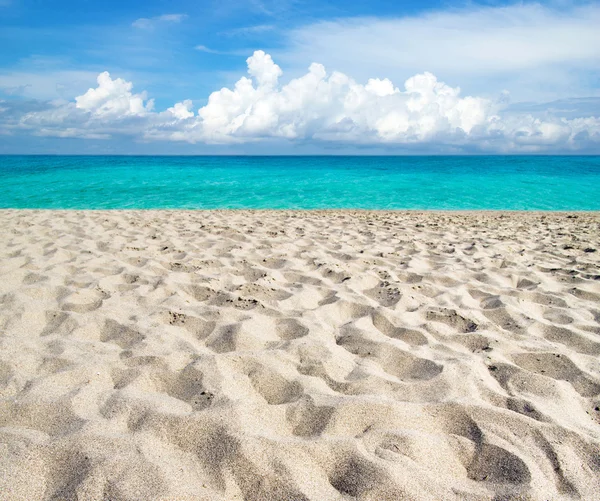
(322, 182)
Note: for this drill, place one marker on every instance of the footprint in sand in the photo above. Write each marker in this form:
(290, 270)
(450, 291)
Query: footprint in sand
(561, 367)
(274, 387)
(289, 329)
(386, 327)
(125, 337)
(84, 300)
(567, 337)
(484, 462)
(451, 318)
(306, 418)
(384, 293)
(59, 322)
(197, 326)
(355, 476)
(392, 360)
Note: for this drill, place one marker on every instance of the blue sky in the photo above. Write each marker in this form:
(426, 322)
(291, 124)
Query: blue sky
(505, 77)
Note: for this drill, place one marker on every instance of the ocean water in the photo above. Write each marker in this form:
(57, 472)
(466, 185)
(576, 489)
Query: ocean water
(326, 182)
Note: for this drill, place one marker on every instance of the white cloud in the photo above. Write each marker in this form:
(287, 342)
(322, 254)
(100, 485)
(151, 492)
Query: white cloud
(18, 90)
(172, 18)
(46, 84)
(71, 132)
(182, 110)
(249, 30)
(113, 97)
(335, 107)
(319, 107)
(531, 49)
(146, 23)
(204, 48)
(263, 69)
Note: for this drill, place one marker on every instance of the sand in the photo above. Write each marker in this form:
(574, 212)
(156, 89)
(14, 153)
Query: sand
(148, 355)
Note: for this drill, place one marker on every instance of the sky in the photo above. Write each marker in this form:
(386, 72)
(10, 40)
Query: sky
(299, 77)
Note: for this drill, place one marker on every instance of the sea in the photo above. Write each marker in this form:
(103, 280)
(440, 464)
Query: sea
(569, 183)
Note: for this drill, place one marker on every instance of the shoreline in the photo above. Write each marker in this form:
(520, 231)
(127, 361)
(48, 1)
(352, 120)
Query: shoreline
(326, 211)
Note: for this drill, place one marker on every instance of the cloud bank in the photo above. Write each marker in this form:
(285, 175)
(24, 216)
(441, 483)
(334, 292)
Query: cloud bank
(320, 107)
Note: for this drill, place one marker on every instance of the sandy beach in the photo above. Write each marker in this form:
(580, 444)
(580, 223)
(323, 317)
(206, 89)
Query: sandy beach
(299, 356)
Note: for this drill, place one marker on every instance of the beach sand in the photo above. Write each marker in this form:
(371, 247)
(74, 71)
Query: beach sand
(266, 355)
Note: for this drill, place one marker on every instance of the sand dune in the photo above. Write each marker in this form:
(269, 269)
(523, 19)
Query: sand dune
(299, 356)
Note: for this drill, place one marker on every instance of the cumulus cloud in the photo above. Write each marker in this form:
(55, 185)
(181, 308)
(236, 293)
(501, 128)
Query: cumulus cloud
(320, 107)
(113, 97)
(182, 110)
(109, 109)
(335, 107)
